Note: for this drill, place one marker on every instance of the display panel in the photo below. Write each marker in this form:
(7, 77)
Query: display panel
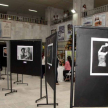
(3, 55)
(25, 53)
(26, 66)
(90, 91)
(50, 54)
(51, 61)
(4, 51)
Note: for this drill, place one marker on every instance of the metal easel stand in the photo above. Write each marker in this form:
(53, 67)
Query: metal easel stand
(12, 90)
(47, 103)
(7, 83)
(22, 81)
(1, 78)
(17, 80)
(5, 71)
(40, 91)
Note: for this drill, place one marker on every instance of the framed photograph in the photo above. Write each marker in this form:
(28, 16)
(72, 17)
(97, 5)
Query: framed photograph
(4, 51)
(100, 20)
(61, 33)
(50, 54)
(25, 53)
(99, 57)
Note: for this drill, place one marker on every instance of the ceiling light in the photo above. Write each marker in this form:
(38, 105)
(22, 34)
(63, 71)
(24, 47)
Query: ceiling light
(73, 11)
(32, 10)
(4, 5)
(9, 18)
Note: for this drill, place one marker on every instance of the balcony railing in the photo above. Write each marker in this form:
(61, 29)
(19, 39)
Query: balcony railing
(57, 21)
(22, 19)
(96, 11)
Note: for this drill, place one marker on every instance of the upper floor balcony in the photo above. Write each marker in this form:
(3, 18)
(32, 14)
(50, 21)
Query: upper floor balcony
(22, 19)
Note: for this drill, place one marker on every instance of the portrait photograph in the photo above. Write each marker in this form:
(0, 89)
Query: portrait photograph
(4, 51)
(99, 57)
(25, 53)
(50, 54)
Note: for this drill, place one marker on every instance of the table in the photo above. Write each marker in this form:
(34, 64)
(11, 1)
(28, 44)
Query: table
(60, 73)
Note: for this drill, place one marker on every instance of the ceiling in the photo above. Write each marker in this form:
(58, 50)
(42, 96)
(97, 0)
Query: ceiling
(22, 6)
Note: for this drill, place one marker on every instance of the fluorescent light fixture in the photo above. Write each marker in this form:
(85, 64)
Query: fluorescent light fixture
(73, 11)
(32, 10)
(9, 18)
(3, 5)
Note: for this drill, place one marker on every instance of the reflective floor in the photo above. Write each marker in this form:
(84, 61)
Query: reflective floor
(26, 95)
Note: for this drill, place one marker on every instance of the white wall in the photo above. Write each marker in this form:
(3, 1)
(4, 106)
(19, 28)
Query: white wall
(106, 19)
(23, 30)
(55, 11)
(50, 12)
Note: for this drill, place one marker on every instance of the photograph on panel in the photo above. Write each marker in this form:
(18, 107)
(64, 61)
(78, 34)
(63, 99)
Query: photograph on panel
(99, 57)
(50, 54)
(25, 53)
(4, 51)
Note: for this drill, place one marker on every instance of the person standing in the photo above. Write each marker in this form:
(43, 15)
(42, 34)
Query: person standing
(57, 72)
(84, 10)
(43, 65)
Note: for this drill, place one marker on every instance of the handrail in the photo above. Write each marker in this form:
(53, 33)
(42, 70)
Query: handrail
(22, 19)
(95, 11)
(61, 20)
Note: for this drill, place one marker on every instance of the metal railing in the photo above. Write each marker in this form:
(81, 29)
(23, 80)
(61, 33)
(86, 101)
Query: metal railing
(57, 21)
(95, 11)
(22, 19)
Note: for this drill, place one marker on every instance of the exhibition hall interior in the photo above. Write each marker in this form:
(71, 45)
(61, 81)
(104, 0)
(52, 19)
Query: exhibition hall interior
(53, 53)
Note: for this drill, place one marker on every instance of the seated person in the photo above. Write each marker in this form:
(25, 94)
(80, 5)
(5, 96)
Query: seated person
(67, 67)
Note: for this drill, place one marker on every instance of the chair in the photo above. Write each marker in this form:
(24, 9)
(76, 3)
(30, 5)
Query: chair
(68, 75)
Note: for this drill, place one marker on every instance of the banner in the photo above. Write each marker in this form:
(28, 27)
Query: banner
(100, 20)
(61, 33)
(69, 29)
(87, 21)
(6, 29)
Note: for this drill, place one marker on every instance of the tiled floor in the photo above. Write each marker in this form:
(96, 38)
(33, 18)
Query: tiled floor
(26, 95)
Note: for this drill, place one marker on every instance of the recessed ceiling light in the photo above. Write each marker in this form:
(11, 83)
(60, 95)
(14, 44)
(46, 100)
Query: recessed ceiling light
(32, 10)
(73, 11)
(4, 5)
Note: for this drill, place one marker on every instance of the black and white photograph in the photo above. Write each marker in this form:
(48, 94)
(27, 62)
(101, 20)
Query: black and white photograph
(50, 54)
(99, 57)
(4, 51)
(25, 53)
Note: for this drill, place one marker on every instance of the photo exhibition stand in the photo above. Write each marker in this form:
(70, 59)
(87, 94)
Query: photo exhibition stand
(91, 76)
(8, 70)
(30, 67)
(1, 78)
(50, 71)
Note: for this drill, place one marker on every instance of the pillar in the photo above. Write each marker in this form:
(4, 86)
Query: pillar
(78, 7)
